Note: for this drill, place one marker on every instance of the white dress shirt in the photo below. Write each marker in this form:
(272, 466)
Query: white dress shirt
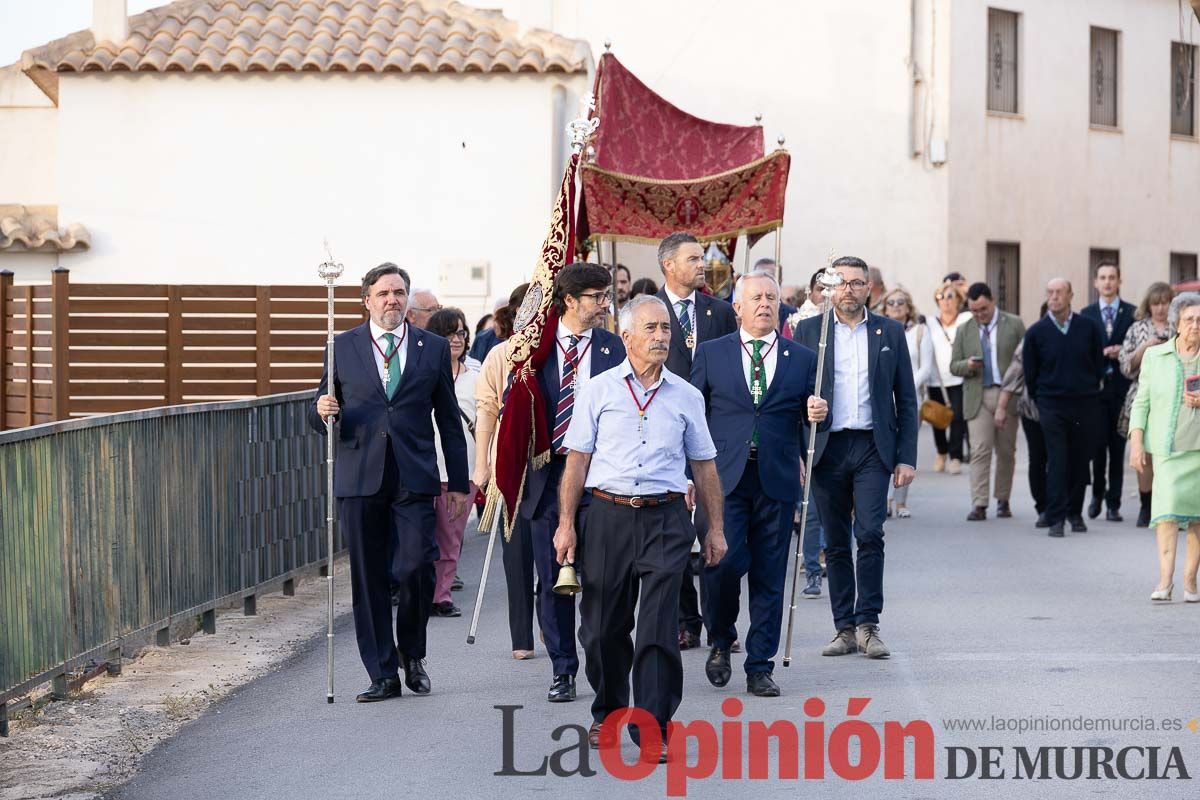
(675, 301)
(377, 333)
(851, 377)
(583, 352)
(997, 375)
(769, 356)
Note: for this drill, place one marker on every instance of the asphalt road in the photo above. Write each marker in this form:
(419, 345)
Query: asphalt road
(984, 620)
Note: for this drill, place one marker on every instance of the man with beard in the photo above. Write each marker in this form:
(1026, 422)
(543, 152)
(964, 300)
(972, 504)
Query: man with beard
(583, 350)
(695, 317)
(872, 438)
(635, 430)
(391, 381)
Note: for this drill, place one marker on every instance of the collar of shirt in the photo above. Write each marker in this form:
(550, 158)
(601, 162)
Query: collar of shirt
(565, 334)
(1115, 305)
(378, 332)
(767, 340)
(625, 370)
(675, 300)
(1062, 326)
(990, 325)
(838, 321)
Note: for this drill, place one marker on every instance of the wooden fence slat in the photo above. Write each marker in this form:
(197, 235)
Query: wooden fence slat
(118, 290)
(311, 356)
(116, 389)
(194, 356)
(219, 306)
(108, 356)
(315, 307)
(43, 389)
(40, 373)
(111, 406)
(311, 372)
(6, 287)
(218, 339)
(220, 373)
(298, 340)
(43, 291)
(218, 389)
(127, 339)
(124, 372)
(262, 340)
(122, 323)
(342, 292)
(203, 322)
(30, 341)
(174, 344)
(111, 306)
(214, 290)
(19, 341)
(279, 387)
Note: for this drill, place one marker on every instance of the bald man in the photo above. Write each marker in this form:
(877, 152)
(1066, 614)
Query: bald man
(421, 306)
(1064, 366)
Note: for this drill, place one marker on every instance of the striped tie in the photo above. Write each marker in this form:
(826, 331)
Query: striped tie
(566, 397)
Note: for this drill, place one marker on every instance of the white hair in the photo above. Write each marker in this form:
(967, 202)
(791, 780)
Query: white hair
(737, 287)
(1182, 301)
(626, 316)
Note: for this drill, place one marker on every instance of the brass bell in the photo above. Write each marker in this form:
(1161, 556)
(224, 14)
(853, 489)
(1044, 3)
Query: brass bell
(568, 581)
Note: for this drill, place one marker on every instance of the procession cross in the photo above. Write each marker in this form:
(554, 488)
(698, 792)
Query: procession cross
(757, 391)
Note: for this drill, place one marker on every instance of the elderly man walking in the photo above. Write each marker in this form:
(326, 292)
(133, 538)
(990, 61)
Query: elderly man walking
(635, 430)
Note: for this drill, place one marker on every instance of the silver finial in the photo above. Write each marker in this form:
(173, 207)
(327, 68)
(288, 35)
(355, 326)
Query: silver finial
(331, 268)
(581, 129)
(758, 118)
(780, 140)
(607, 45)
(830, 278)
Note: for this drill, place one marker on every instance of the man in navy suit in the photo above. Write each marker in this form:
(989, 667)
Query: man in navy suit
(768, 266)
(695, 317)
(1114, 316)
(871, 439)
(391, 379)
(582, 296)
(758, 390)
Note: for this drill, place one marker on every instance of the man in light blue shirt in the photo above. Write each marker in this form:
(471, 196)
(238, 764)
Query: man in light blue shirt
(634, 431)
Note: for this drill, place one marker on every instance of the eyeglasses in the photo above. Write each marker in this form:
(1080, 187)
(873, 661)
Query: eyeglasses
(430, 309)
(459, 334)
(600, 298)
(855, 284)
(947, 296)
(896, 302)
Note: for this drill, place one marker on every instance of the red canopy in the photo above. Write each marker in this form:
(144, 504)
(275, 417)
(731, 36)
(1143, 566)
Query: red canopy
(658, 169)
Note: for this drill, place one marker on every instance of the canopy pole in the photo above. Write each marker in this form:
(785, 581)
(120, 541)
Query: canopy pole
(778, 254)
(615, 301)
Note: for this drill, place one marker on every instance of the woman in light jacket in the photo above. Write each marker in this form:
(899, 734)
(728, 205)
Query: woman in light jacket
(1165, 422)
(898, 305)
(944, 387)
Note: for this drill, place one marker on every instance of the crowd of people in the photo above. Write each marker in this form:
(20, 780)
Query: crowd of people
(677, 443)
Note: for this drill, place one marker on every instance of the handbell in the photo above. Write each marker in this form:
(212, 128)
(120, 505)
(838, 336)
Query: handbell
(568, 581)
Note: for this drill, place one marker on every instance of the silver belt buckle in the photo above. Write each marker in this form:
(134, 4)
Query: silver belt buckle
(635, 502)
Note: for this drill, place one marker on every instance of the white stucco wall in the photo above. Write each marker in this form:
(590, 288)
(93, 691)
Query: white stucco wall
(1049, 181)
(28, 139)
(238, 179)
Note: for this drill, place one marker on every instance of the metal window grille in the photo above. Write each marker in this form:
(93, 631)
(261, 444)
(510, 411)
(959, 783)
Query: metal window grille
(1002, 61)
(1097, 256)
(1183, 267)
(1004, 274)
(1183, 89)
(1103, 69)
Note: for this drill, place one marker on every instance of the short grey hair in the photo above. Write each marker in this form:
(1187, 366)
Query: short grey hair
(669, 246)
(737, 287)
(1182, 301)
(627, 311)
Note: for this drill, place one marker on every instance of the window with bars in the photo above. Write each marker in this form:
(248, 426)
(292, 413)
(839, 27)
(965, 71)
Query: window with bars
(1002, 61)
(1103, 68)
(1096, 257)
(1183, 89)
(1004, 274)
(1183, 267)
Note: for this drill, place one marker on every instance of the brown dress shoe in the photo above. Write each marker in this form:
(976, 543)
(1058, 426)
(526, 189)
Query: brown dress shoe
(977, 513)
(594, 736)
(1002, 509)
(688, 640)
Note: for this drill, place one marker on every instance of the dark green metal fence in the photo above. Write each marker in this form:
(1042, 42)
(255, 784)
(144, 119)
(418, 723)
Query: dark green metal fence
(111, 527)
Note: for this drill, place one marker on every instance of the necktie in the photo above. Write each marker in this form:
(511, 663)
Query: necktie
(685, 323)
(758, 380)
(1109, 313)
(986, 343)
(393, 366)
(566, 396)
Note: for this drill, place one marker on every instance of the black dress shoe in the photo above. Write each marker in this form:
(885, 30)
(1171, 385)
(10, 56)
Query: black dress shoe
(688, 640)
(1003, 510)
(717, 668)
(1077, 524)
(1114, 515)
(736, 647)
(415, 677)
(457, 584)
(977, 513)
(562, 689)
(761, 684)
(381, 689)
(1056, 530)
(1094, 507)
(445, 609)
(1042, 522)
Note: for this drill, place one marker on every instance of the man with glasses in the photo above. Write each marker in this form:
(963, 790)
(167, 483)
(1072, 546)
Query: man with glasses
(582, 350)
(422, 305)
(872, 437)
(695, 317)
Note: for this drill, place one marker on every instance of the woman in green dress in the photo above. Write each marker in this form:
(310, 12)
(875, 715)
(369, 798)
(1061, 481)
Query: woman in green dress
(1165, 423)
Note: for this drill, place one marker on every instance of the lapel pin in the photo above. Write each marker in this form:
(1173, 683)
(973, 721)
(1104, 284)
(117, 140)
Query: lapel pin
(878, 331)
(709, 313)
(787, 352)
(422, 344)
(604, 350)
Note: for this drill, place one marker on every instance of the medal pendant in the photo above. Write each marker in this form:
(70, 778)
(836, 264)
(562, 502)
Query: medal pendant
(691, 341)
(641, 420)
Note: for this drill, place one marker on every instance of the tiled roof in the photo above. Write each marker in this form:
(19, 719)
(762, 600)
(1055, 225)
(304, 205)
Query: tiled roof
(35, 229)
(315, 36)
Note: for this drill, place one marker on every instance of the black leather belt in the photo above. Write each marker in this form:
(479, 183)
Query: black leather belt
(637, 501)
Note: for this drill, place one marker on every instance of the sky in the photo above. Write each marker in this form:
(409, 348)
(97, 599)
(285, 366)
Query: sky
(31, 23)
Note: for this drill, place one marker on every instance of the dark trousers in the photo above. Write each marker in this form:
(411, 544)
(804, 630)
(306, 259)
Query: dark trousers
(632, 564)
(950, 441)
(1108, 459)
(1069, 429)
(850, 485)
(391, 539)
(1035, 442)
(518, 580)
(691, 601)
(556, 612)
(758, 533)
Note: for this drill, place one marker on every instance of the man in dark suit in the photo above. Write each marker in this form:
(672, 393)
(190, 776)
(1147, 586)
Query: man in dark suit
(768, 266)
(1108, 460)
(583, 350)
(695, 317)
(872, 438)
(758, 390)
(391, 379)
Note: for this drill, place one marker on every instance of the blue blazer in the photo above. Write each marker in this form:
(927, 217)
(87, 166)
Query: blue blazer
(732, 417)
(1114, 378)
(541, 485)
(714, 319)
(369, 420)
(893, 395)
